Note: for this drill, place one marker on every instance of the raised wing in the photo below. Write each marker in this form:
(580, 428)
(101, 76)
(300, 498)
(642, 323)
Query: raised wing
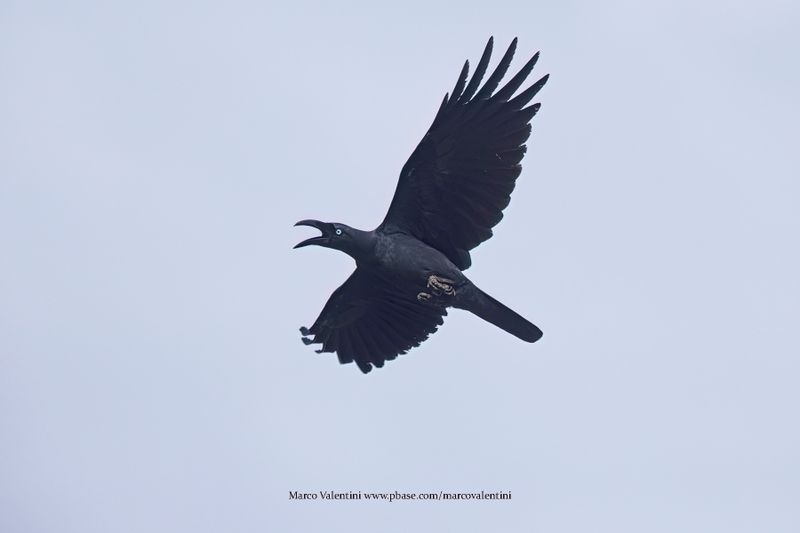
(455, 185)
(370, 321)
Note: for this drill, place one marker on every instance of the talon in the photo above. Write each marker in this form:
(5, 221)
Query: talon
(423, 297)
(441, 285)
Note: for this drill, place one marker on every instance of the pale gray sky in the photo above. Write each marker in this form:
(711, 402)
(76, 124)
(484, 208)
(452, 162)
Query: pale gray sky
(156, 154)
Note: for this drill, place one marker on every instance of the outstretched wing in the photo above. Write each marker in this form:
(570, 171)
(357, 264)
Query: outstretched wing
(455, 185)
(370, 321)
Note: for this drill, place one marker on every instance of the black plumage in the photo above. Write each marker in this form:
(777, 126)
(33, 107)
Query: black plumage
(451, 193)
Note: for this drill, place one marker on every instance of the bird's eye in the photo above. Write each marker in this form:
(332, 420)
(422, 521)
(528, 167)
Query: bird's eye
(338, 231)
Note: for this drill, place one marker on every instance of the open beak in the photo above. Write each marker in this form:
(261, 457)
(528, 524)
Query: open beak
(322, 240)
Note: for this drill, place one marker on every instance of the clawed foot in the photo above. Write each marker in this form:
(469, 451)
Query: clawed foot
(441, 285)
(437, 286)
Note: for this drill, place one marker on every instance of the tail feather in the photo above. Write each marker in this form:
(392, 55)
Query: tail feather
(501, 316)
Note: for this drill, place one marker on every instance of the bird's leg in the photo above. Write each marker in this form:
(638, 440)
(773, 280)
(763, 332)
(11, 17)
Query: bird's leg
(423, 297)
(441, 285)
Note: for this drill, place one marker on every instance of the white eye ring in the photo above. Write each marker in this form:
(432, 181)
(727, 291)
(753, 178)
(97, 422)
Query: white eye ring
(338, 231)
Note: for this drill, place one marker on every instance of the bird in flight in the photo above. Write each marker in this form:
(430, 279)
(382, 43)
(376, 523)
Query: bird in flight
(451, 193)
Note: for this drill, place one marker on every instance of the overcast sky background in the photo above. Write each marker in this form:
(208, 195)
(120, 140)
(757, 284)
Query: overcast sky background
(154, 156)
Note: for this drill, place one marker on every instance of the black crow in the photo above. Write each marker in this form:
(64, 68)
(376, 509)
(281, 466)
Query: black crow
(451, 192)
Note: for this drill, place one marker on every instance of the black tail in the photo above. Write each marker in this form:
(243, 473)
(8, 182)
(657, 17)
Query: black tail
(491, 310)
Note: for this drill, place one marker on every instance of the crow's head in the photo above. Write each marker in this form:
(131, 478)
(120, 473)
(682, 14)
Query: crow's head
(338, 236)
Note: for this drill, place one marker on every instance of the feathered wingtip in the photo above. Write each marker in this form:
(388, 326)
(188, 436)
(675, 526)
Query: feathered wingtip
(306, 336)
(463, 92)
